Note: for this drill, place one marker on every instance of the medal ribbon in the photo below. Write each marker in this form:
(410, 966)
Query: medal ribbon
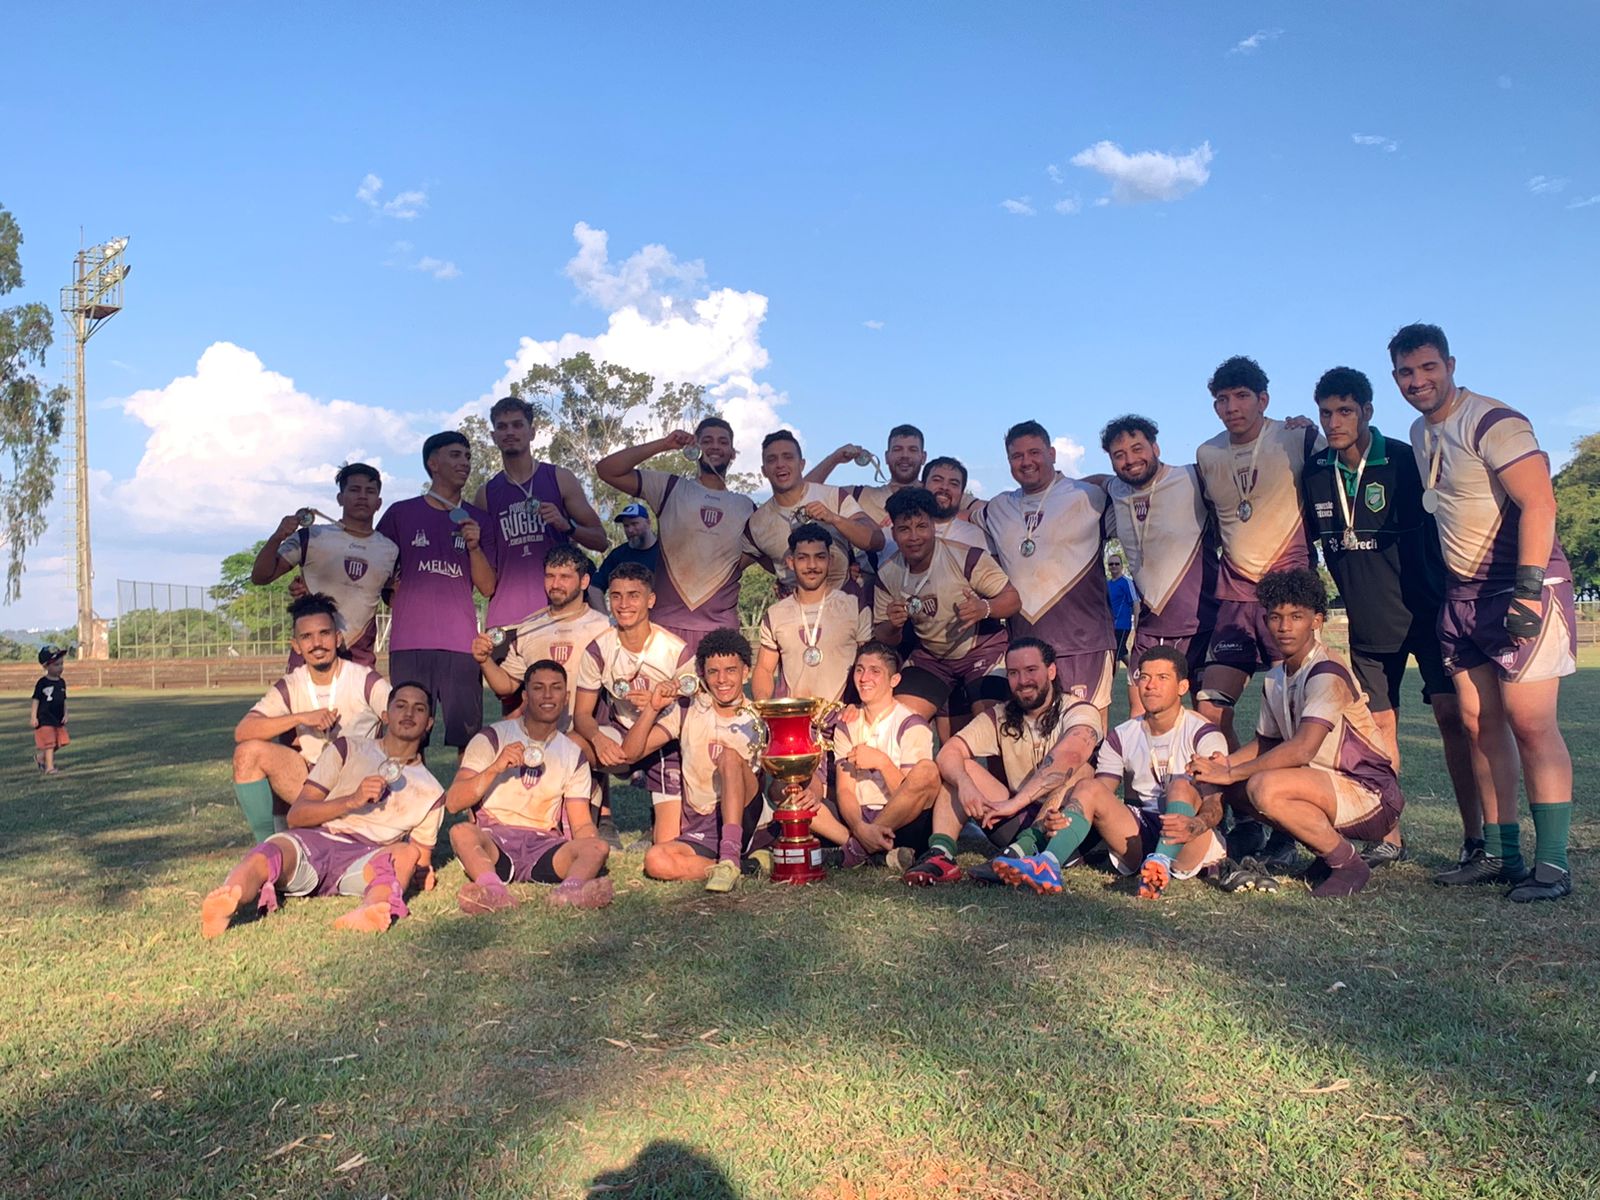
(1347, 501)
(1033, 517)
(1245, 492)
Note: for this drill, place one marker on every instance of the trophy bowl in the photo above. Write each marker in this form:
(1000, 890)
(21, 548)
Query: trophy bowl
(790, 744)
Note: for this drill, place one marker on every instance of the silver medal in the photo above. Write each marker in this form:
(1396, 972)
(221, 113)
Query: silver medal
(1351, 540)
(305, 517)
(531, 507)
(533, 756)
(812, 656)
(691, 453)
(688, 684)
(1028, 547)
(499, 637)
(1246, 510)
(622, 686)
(914, 606)
(864, 459)
(459, 515)
(390, 771)
(1430, 500)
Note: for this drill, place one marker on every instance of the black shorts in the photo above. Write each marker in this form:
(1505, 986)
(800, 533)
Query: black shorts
(454, 683)
(1380, 674)
(950, 696)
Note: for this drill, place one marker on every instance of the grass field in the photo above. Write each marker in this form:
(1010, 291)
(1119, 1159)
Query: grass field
(856, 1039)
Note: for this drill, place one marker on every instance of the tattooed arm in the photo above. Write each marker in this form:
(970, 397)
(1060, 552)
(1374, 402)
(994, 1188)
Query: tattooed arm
(1069, 760)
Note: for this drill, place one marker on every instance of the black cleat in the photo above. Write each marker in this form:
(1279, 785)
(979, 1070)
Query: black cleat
(984, 875)
(1546, 882)
(1381, 854)
(1471, 848)
(1280, 852)
(1482, 869)
(1246, 875)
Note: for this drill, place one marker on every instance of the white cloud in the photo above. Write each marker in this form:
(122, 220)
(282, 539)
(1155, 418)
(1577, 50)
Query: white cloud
(437, 267)
(1585, 203)
(1068, 207)
(404, 206)
(234, 446)
(1541, 185)
(663, 320)
(1055, 173)
(1255, 41)
(1386, 144)
(340, 218)
(1069, 454)
(873, 324)
(650, 275)
(1019, 208)
(1149, 174)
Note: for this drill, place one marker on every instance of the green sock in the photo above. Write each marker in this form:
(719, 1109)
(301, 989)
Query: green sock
(1503, 841)
(255, 801)
(1551, 823)
(1178, 808)
(943, 843)
(1029, 842)
(1064, 843)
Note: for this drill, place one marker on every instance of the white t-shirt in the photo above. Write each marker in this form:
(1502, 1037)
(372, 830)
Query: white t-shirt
(358, 694)
(529, 797)
(705, 736)
(413, 804)
(1143, 764)
(351, 569)
(900, 733)
(608, 666)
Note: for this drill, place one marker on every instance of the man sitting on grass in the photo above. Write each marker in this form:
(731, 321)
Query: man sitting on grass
(530, 785)
(704, 835)
(365, 822)
(1315, 769)
(325, 697)
(1044, 739)
(887, 778)
(1167, 827)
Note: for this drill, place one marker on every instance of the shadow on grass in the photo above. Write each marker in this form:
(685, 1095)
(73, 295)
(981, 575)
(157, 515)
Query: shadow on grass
(664, 1170)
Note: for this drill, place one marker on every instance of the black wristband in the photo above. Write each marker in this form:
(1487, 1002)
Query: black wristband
(1530, 583)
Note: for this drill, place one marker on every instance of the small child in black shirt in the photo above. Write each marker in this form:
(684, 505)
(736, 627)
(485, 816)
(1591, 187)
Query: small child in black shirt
(48, 715)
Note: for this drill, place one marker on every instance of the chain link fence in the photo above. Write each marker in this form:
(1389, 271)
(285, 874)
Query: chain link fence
(177, 620)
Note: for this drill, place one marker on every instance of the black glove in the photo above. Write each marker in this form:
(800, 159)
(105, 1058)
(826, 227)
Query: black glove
(1522, 621)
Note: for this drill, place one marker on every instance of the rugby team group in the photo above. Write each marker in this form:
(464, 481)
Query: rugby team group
(970, 640)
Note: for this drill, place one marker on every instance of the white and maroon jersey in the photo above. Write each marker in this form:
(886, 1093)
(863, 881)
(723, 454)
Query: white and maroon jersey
(900, 733)
(351, 569)
(839, 625)
(1143, 763)
(1324, 691)
(606, 665)
(1063, 582)
(705, 735)
(766, 534)
(529, 797)
(702, 551)
(358, 694)
(1477, 519)
(1264, 483)
(871, 501)
(962, 532)
(523, 542)
(413, 805)
(953, 572)
(1169, 543)
(1021, 752)
(562, 639)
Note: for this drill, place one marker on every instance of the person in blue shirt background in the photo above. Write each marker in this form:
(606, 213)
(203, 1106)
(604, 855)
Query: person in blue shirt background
(1123, 597)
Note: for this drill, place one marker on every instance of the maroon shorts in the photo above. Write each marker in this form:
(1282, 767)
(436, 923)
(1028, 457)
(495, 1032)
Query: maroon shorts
(955, 684)
(328, 864)
(526, 855)
(1473, 632)
(702, 832)
(1241, 639)
(1193, 647)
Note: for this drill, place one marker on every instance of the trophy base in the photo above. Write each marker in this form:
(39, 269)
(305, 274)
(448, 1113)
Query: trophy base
(797, 854)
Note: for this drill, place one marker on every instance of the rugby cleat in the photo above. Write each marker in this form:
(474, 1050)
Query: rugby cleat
(984, 875)
(1485, 868)
(757, 863)
(724, 876)
(1039, 873)
(1246, 875)
(1154, 876)
(1546, 882)
(1381, 854)
(1279, 853)
(1245, 839)
(933, 867)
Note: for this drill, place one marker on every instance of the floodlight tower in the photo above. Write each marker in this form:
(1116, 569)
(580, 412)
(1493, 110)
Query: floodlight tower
(92, 298)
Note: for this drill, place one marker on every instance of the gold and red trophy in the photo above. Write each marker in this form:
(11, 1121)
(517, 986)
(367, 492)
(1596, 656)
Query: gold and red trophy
(790, 745)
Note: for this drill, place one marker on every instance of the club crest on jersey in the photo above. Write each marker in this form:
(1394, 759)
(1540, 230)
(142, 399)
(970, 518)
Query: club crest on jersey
(532, 775)
(715, 750)
(561, 651)
(421, 539)
(1375, 497)
(1079, 691)
(930, 606)
(1247, 479)
(1141, 508)
(711, 516)
(355, 568)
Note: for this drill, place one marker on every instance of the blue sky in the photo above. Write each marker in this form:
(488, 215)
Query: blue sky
(828, 183)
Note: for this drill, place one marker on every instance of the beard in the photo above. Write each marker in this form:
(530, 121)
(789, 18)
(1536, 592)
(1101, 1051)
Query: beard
(943, 511)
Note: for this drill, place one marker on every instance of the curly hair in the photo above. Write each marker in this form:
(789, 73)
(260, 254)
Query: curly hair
(722, 641)
(313, 604)
(1126, 424)
(1301, 587)
(1238, 371)
(1344, 381)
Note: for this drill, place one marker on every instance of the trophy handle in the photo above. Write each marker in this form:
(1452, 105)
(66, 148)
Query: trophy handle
(819, 719)
(763, 735)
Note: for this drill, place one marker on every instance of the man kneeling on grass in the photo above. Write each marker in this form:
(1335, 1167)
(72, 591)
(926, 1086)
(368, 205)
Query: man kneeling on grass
(1167, 827)
(705, 835)
(349, 827)
(530, 785)
(1315, 769)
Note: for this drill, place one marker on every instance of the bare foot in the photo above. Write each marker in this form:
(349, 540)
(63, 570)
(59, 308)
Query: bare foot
(369, 918)
(217, 910)
(591, 893)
